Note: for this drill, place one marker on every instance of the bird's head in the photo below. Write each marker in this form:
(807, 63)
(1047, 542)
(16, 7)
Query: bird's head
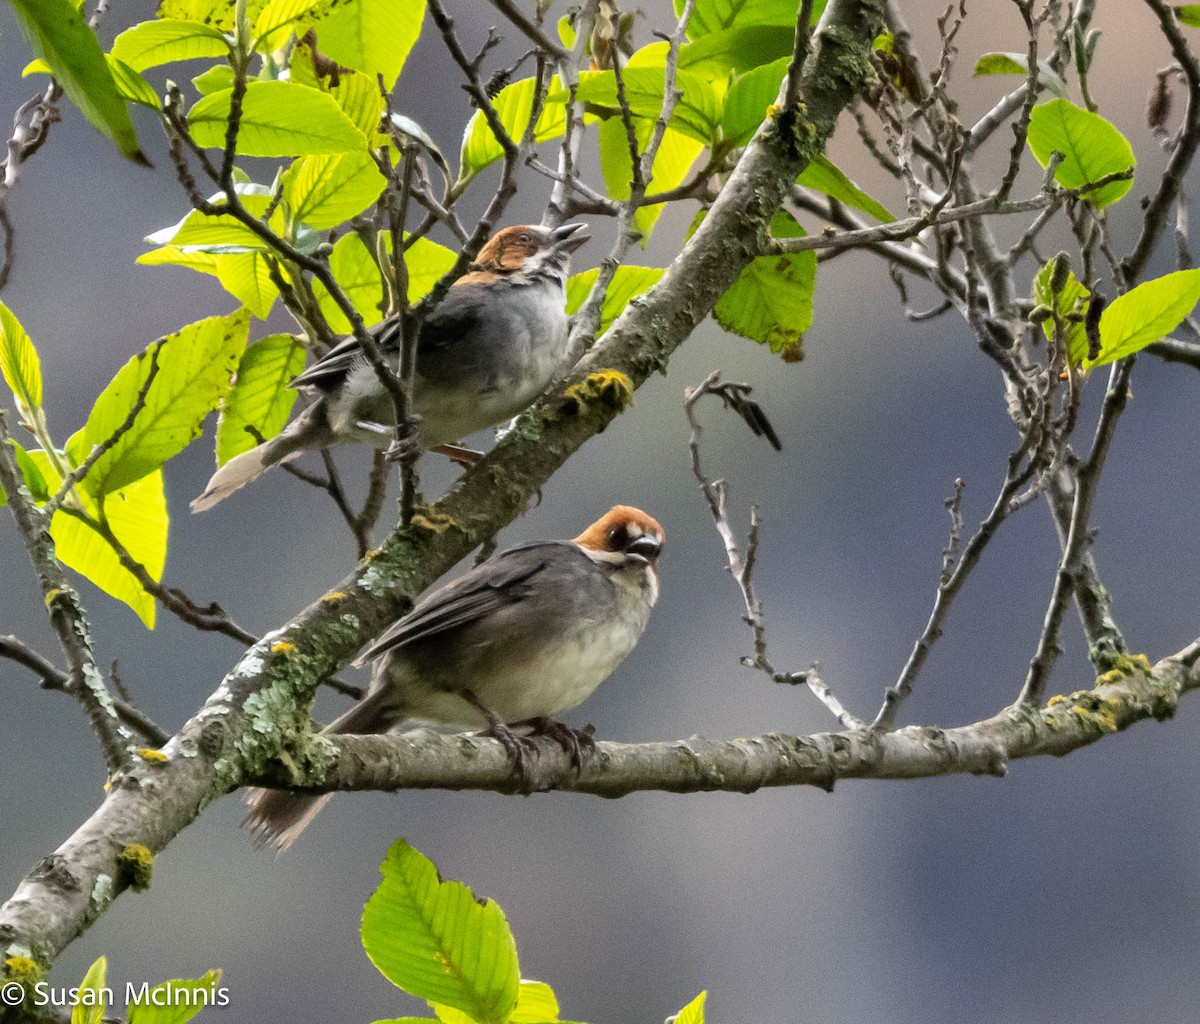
(530, 250)
(624, 537)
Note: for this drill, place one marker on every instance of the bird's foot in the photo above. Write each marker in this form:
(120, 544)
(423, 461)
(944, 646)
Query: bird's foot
(521, 750)
(575, 742)
(460, 456)
(403, 449)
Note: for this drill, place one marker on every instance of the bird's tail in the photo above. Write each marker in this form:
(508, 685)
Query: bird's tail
(277, 816)
(306, 432)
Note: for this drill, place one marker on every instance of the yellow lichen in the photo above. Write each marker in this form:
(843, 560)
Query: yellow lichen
(606, 387)
(23, 970)
(1058, 698)
(283, 647)
(151, 755)
(433, 522)
(54, 595)
(135, 867)
(1125, 665)
(333, 597)
(1103, 717)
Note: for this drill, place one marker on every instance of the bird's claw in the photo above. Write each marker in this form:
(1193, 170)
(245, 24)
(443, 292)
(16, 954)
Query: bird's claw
(574, 742)
(402, 449)
(521, 750)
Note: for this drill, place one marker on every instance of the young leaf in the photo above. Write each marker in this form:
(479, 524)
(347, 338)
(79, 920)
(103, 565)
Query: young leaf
(697, 113)
(90, 1007)
(19, 362)
(1145, 314)
(247, 277)
(174, 256)
(323, 191)
(721, 15)
(175, 1002)
(427, 262)
(372, 36)
(693, 1013)
(163, 41)
(216, 78)
(674, 158)
(514, 105)
(1189, 14)
(747, 101)
(275, 16)
(432, 939)
(194, 369)
(31, 474)
(627, 283)
(824, 176)
(536, 1004)
(260, 397)
(222, 232)
(278, 119)
(1073, 296)
(771, 301)
(356, 272)
(58, 33)
(1018, 64)
(1091, 147)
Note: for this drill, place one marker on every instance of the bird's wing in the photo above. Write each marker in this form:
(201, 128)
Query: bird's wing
(483, 591)
(331, 369)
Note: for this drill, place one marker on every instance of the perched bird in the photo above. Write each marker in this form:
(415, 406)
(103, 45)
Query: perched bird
(485, 353)
(523, 636)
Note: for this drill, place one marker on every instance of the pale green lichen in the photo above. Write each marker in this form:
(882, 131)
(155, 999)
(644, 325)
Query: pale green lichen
(135, 867)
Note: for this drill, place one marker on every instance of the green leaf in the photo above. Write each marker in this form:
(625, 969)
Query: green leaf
(58, 33)
(696, 114)
(260, 397)
(627, 283)
(278, 119)
(408, 1020)
(1145, 314)
(427, 262)
(1018, 64)
(172, 255)
(747, 101)
(372, 36)
(771, 301)
(721, 15)
(536, 1004)
(1073, 297)
(675, 156)
(222, 232)
(216, 78)
(137, 515)
(323, 191)
(821, 174)
(218, 13)
(194, 369)
(720, 54)
(31, 473)
(357, 274)
(247, 277)
(162, 42)
(90, 1007)
(173, 1002)
(514, 106)
(1092, 148)
(693, 1013)
(432, 939)
(19, 363)
(275, 16)
(1189, 14)
(359, 98)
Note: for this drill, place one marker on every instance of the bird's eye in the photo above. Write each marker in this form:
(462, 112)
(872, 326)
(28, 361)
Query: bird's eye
(618, 537)
(523, 238)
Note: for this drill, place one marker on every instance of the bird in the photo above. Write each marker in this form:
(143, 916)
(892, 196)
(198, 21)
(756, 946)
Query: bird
(487, 350)
(522, 637)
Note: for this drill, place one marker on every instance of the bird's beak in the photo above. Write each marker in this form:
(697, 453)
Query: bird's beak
(563, 240)
(645, 549)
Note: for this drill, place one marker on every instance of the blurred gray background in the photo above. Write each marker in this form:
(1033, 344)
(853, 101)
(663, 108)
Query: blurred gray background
(1066, 892)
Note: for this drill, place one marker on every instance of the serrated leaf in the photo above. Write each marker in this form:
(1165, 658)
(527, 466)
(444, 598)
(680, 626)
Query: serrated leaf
(821, 174)
(693, 1013)
(59, 35)
(1092, 148)
(720, 54)
(372, 36)
(247, 277)
(1018, 64)
(222, 232)
(771, 301)
(1189, 14)
(359, 98)
(674, 158)
(536, 1004)
(164, 41)
(514, 106)
(169, 1003)
(34, 480)
(432, 939)
(278, 119)
(747, 101)
(19, 362)
(195, 366)
(217, 13)
(173, 255)
(627, 283)
(132, 84)
(1145, 314)
(323, 191)
(260, 397)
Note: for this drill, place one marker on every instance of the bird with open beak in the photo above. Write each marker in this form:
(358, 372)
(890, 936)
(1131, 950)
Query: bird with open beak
(484, 354)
